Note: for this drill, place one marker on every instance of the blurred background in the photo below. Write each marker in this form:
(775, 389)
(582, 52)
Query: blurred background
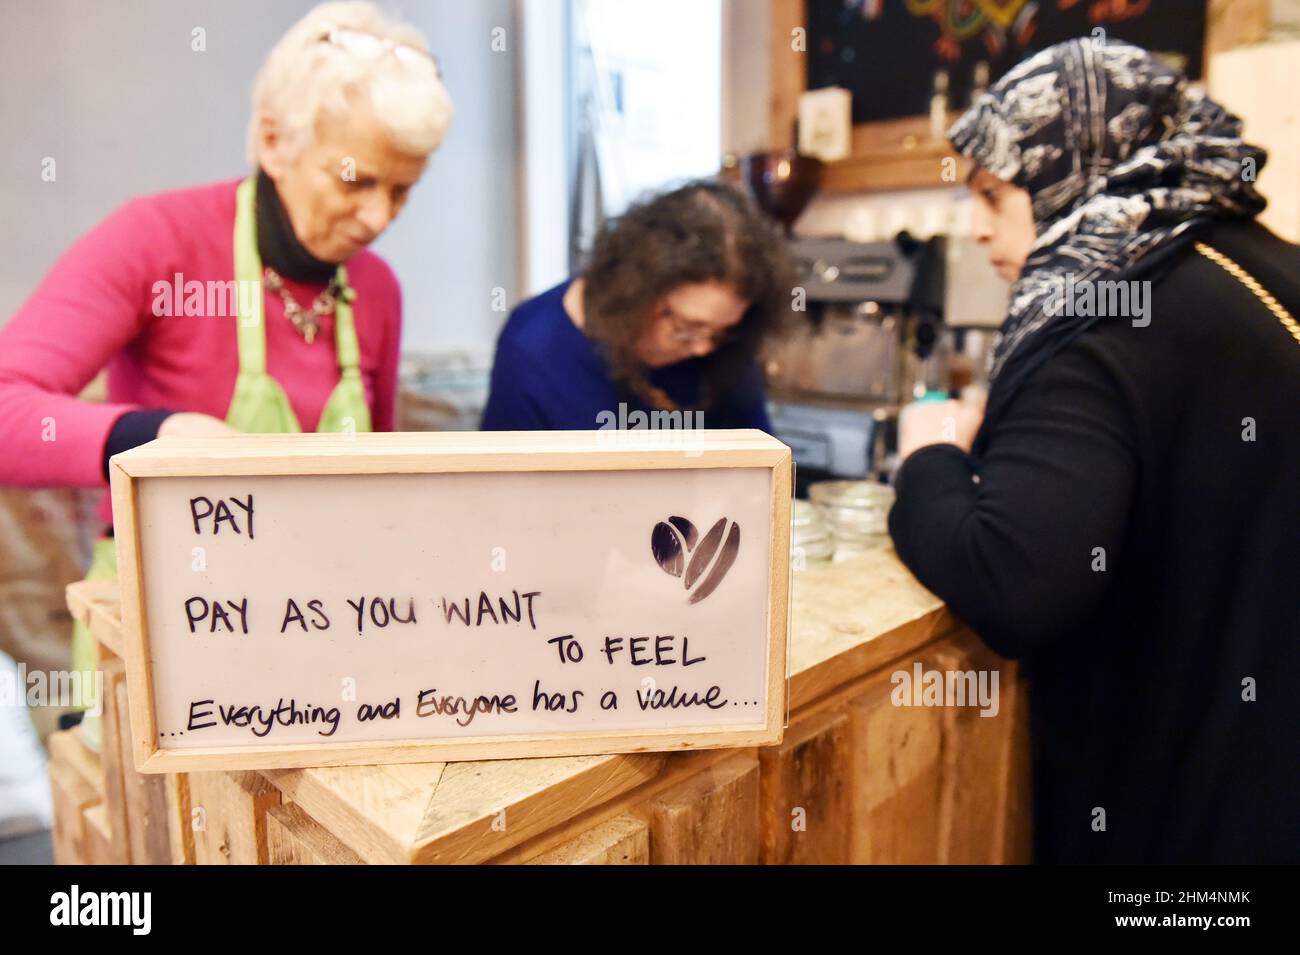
(831, 112)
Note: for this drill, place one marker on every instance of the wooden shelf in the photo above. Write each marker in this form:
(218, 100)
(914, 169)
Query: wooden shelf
(900, 154)
(895, 154)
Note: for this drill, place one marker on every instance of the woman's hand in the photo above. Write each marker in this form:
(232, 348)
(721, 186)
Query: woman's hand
(191, 424)
(938, 422)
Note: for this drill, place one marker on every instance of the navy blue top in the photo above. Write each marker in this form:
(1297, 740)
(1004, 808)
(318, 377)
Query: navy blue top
(549, 376)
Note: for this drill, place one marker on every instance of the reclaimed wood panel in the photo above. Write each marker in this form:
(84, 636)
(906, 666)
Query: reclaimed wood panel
(788, 74)
(294, 838)
(375, 810)
(481, 810)
(71, 794)
(623, 840)
(854, 623)
(180, 818)
(674, 769)
(897, 780)
(145, 797)
(97, 605)
(232, 811)
(805, 793)
(110, 757)
(975, 763)
(711, 818)
(98, 836)
(67, 749)
(76, 786)
(852, 617)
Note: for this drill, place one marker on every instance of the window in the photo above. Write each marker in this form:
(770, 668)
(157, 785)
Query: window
(647, 100)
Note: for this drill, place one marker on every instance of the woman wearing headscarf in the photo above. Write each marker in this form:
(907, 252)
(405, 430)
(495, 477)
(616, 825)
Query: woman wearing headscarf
(248, 305)
(1124, 518)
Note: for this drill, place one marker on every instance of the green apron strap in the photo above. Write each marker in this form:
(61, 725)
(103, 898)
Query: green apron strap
(248, 281)
(345, 330)
(259, 404)
(347, 409)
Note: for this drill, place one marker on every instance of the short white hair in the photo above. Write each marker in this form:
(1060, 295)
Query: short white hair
(306, 79)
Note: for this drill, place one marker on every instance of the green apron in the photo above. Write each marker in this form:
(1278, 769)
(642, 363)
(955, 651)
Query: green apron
(258, 405)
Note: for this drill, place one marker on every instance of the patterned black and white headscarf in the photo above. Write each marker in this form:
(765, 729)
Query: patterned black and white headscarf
(1120, 156)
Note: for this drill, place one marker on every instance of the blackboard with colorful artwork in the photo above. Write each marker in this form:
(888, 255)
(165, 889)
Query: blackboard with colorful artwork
(887, 52)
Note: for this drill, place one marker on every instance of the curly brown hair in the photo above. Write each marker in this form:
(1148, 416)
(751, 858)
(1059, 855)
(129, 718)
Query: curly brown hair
(705, 230)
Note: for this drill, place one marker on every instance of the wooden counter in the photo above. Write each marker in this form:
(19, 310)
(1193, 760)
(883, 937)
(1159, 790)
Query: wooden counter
(856, 779)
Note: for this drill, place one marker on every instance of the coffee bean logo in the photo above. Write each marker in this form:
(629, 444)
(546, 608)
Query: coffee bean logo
(701, 563)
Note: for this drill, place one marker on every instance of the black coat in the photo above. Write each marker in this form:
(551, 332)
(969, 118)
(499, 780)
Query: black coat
(1165, 689)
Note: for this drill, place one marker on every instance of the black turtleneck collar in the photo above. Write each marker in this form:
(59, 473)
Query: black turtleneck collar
(277, 243)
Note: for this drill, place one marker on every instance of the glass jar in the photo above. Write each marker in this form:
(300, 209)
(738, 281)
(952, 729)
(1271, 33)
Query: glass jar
(810, 540)
(855, 512)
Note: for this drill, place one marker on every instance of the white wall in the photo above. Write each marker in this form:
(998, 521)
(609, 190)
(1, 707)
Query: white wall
(456, 240)
(746, 75)
(656, 92)
(115, 95)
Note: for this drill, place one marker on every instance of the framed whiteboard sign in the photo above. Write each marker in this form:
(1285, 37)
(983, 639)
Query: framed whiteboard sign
(319, 600)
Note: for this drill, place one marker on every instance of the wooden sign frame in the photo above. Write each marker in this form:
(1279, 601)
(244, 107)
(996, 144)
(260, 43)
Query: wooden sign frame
(435, 453)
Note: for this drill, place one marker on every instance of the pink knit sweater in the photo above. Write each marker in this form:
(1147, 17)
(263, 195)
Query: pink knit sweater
(98, 307)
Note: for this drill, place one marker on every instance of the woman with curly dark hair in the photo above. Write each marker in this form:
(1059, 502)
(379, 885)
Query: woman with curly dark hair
(667, 317)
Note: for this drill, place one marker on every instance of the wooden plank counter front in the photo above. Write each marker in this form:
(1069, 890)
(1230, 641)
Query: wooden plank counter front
(856, 778)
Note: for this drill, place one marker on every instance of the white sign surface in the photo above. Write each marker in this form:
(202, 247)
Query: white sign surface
(289, 611)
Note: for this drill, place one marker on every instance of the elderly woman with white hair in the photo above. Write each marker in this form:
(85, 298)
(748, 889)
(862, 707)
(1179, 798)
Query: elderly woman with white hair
(245, 305)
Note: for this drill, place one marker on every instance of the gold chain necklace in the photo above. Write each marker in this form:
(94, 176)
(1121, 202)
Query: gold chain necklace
(1248, 280)
(307, 322)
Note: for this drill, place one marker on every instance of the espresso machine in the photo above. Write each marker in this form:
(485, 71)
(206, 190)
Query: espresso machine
(876, 325)
(869, 338)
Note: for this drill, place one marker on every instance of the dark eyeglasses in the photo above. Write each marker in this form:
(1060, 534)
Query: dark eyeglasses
(687, 332)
